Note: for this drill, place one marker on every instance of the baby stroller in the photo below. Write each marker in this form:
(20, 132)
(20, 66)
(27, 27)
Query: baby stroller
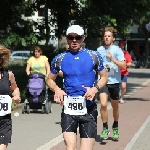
(37, 95)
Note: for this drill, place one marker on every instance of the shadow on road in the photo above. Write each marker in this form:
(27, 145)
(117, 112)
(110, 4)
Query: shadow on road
(104, 142)
(139, 75)
(137, 99)
(132, 86)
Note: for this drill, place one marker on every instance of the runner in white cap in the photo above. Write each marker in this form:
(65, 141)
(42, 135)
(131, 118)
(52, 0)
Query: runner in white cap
(79, 67)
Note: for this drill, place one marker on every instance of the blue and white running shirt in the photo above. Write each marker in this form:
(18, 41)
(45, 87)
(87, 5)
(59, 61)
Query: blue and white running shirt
(78, 69)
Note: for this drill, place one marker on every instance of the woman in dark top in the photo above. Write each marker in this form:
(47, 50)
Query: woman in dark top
(7, 85)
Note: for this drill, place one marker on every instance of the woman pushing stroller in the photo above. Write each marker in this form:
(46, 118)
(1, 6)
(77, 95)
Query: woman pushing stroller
(37, 69)
(38, 63)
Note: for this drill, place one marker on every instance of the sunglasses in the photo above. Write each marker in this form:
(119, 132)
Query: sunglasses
(78, 37)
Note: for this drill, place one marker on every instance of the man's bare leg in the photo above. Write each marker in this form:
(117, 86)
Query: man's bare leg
(115, 107)
(3, 146)
(87, 143)
(104, 115)
(123, 91)
(70, 140)
(103, 109)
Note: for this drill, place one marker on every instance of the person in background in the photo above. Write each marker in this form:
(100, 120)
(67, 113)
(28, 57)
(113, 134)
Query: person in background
(38, 63)
(113, 60)
(7, 84)
(132, 54)
(60, 72)
(124, 72)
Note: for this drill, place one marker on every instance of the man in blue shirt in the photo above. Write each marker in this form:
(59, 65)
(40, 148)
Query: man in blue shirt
(79, 68)
(113, 60)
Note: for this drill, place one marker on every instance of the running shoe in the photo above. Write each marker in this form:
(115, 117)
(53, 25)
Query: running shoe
(115, 133)
(104, 134)
(121, 101)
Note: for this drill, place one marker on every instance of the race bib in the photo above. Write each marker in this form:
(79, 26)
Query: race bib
(75, 105)
(109, 68)
(5, 105)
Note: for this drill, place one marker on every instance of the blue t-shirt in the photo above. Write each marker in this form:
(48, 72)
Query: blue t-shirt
(112, 69)
(79, 68)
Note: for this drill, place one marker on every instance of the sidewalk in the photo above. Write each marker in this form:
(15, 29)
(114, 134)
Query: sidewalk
(134, 125)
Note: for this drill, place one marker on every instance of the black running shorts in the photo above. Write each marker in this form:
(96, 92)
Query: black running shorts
(112, 90)
(5, 129)
(87, 123)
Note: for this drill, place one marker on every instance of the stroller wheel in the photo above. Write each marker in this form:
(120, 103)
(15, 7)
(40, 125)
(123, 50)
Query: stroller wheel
(43, 109)
(23, 109)
(47, 110)
(50, 106)
(28, 109)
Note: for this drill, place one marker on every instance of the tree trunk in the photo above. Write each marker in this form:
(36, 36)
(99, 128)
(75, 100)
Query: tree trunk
(146, 45)
(47, 24)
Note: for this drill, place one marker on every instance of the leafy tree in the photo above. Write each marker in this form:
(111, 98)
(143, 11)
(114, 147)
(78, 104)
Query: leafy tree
(121, 14)
(14, 30)
(62, 13)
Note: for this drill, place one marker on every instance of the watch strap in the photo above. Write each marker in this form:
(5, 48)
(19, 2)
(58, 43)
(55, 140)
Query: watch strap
(98, 88)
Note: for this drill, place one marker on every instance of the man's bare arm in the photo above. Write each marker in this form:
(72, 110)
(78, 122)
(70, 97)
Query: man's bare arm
(50, 81)
(121, 64)
(100, 84)
(103, 78)
(58, 96)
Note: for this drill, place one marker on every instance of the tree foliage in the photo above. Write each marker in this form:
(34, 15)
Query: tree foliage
(62, 13)
(14, 30)
(118, 13)
(93, 15)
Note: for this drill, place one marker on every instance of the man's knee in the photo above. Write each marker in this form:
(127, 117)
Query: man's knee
(70, 145)
(114, 104)
(103, 99)
(70, 140)
(104, 108)
(123, 86)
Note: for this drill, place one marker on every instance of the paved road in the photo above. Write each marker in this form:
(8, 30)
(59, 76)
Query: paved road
(134, 123)
(38, 131)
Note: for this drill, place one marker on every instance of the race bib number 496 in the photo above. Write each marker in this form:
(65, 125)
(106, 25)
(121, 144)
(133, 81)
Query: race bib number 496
(5, 105)
(75, 105)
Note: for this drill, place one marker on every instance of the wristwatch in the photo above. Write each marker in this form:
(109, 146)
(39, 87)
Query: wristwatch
(98, 88)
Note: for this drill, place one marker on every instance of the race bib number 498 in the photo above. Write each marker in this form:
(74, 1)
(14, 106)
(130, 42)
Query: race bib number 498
(75, 105)
(5, 105)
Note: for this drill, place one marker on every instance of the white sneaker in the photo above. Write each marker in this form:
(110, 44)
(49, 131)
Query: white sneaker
(121, 101)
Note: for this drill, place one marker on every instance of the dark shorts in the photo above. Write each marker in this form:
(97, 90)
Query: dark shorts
(124, 78)
(112, 90)
(87, 123)
(5, 129)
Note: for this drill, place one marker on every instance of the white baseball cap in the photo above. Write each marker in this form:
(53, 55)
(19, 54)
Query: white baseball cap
(75, 29)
